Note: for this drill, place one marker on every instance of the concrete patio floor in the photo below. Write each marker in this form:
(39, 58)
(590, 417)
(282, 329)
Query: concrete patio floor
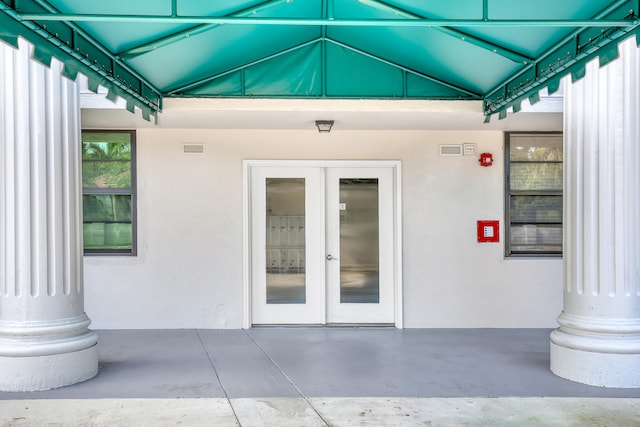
(324, 376)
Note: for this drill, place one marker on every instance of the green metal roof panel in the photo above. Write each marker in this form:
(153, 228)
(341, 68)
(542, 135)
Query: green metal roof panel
(324, 69)
(216, 51)
(534, 41)
(420, 87)
(429, 52)
(546, 9)
(227, 85)
(295, 74)
(453, 9)
(502, 51)
(118, 36)
(351, 74)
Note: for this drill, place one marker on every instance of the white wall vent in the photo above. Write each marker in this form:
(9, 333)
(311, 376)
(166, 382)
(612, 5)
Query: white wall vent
(451, 150)
(193, 148)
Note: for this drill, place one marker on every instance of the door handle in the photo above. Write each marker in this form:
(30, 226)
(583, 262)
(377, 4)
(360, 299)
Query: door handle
(331, 258)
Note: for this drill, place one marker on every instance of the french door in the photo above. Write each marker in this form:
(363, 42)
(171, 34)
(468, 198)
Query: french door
(323, 243)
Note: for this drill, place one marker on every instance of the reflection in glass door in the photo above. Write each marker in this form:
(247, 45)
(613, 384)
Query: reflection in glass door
(359, 241)
(285, 251)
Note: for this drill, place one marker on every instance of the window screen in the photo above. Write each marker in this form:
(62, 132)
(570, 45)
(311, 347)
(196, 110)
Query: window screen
(533, 194)
(108, 192)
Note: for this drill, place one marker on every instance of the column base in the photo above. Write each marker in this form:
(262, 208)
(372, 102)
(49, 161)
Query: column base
(599, 361)
(37, 373)
(47, 354)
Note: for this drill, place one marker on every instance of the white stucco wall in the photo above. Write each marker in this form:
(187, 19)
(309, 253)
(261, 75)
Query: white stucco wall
(189, 271)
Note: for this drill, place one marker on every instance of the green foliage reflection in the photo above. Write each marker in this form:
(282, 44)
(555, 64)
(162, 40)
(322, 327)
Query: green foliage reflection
(106, 164)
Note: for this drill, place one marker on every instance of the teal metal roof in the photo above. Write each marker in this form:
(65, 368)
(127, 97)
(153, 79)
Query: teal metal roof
(499, 51)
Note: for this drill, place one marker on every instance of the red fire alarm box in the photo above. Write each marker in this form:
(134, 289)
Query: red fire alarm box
(486, 159)
(488, 231)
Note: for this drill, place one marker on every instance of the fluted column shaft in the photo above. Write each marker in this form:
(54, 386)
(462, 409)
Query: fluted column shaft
(44, 337)
(598, 341)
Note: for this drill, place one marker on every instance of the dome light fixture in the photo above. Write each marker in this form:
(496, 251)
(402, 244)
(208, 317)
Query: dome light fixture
(324, 125)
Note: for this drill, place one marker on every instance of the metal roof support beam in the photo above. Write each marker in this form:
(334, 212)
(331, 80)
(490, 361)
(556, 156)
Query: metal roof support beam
(174, 7)
(327, 12)
(336, 22)
(330, 10)
(164, 41)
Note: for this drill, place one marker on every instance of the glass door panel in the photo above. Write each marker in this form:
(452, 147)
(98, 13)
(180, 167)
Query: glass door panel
(285, 252)
(360, 245)
(287, 260)
(359, 241)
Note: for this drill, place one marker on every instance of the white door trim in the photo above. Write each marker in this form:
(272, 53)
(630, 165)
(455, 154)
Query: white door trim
(397, 223)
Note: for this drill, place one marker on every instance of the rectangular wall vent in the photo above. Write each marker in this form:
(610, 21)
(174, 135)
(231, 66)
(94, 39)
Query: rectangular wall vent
(451, 150)
(193, 148)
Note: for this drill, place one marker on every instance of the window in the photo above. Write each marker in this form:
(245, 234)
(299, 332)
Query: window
(533, 203)
(108, 192)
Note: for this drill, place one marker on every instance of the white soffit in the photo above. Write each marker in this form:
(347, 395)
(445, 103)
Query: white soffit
(295, 114)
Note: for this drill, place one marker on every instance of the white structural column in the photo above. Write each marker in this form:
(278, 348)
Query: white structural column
(44, 337)
(598, 341)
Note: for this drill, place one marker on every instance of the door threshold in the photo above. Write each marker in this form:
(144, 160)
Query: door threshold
(329, 325)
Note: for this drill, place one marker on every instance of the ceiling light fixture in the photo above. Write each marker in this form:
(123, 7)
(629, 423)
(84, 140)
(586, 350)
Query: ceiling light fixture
(324, 125)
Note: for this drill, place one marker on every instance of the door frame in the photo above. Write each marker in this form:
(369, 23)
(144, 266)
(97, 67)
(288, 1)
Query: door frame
(394, 165)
